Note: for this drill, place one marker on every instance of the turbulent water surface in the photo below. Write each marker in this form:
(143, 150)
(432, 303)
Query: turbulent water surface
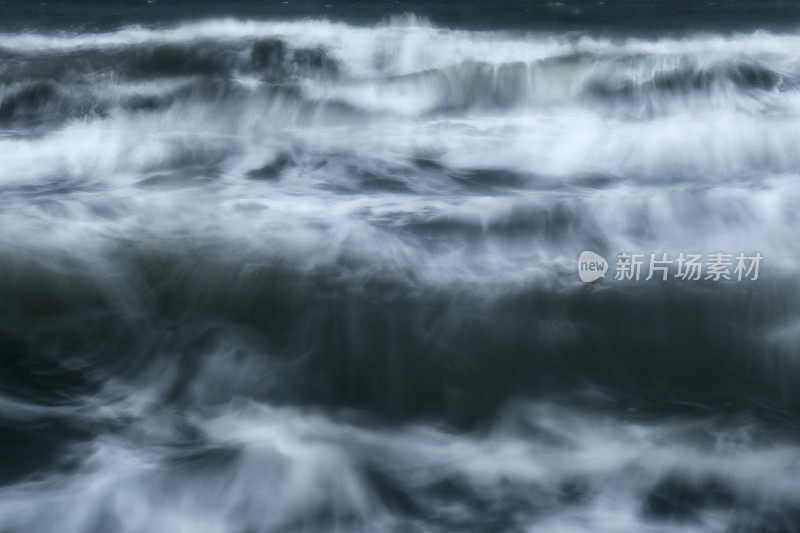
(301, 267)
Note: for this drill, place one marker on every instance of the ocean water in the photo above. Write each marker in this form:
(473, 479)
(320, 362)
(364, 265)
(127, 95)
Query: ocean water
(297, 266)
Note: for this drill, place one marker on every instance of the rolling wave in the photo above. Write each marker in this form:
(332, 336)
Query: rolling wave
(340, 260)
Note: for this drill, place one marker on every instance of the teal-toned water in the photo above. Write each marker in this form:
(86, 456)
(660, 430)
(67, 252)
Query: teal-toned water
(294, 266)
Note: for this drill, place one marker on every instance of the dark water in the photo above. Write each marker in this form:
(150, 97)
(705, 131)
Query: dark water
(273, 266)
(610, 17)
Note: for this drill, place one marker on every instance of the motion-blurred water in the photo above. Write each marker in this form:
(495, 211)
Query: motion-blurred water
(297, 267)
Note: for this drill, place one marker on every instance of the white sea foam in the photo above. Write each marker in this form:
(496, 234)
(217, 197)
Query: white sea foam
(437, 159)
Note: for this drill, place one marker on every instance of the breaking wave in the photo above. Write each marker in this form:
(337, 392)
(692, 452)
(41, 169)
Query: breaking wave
(305, 275)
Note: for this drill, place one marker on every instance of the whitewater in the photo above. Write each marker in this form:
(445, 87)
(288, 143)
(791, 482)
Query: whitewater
(312, 275)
